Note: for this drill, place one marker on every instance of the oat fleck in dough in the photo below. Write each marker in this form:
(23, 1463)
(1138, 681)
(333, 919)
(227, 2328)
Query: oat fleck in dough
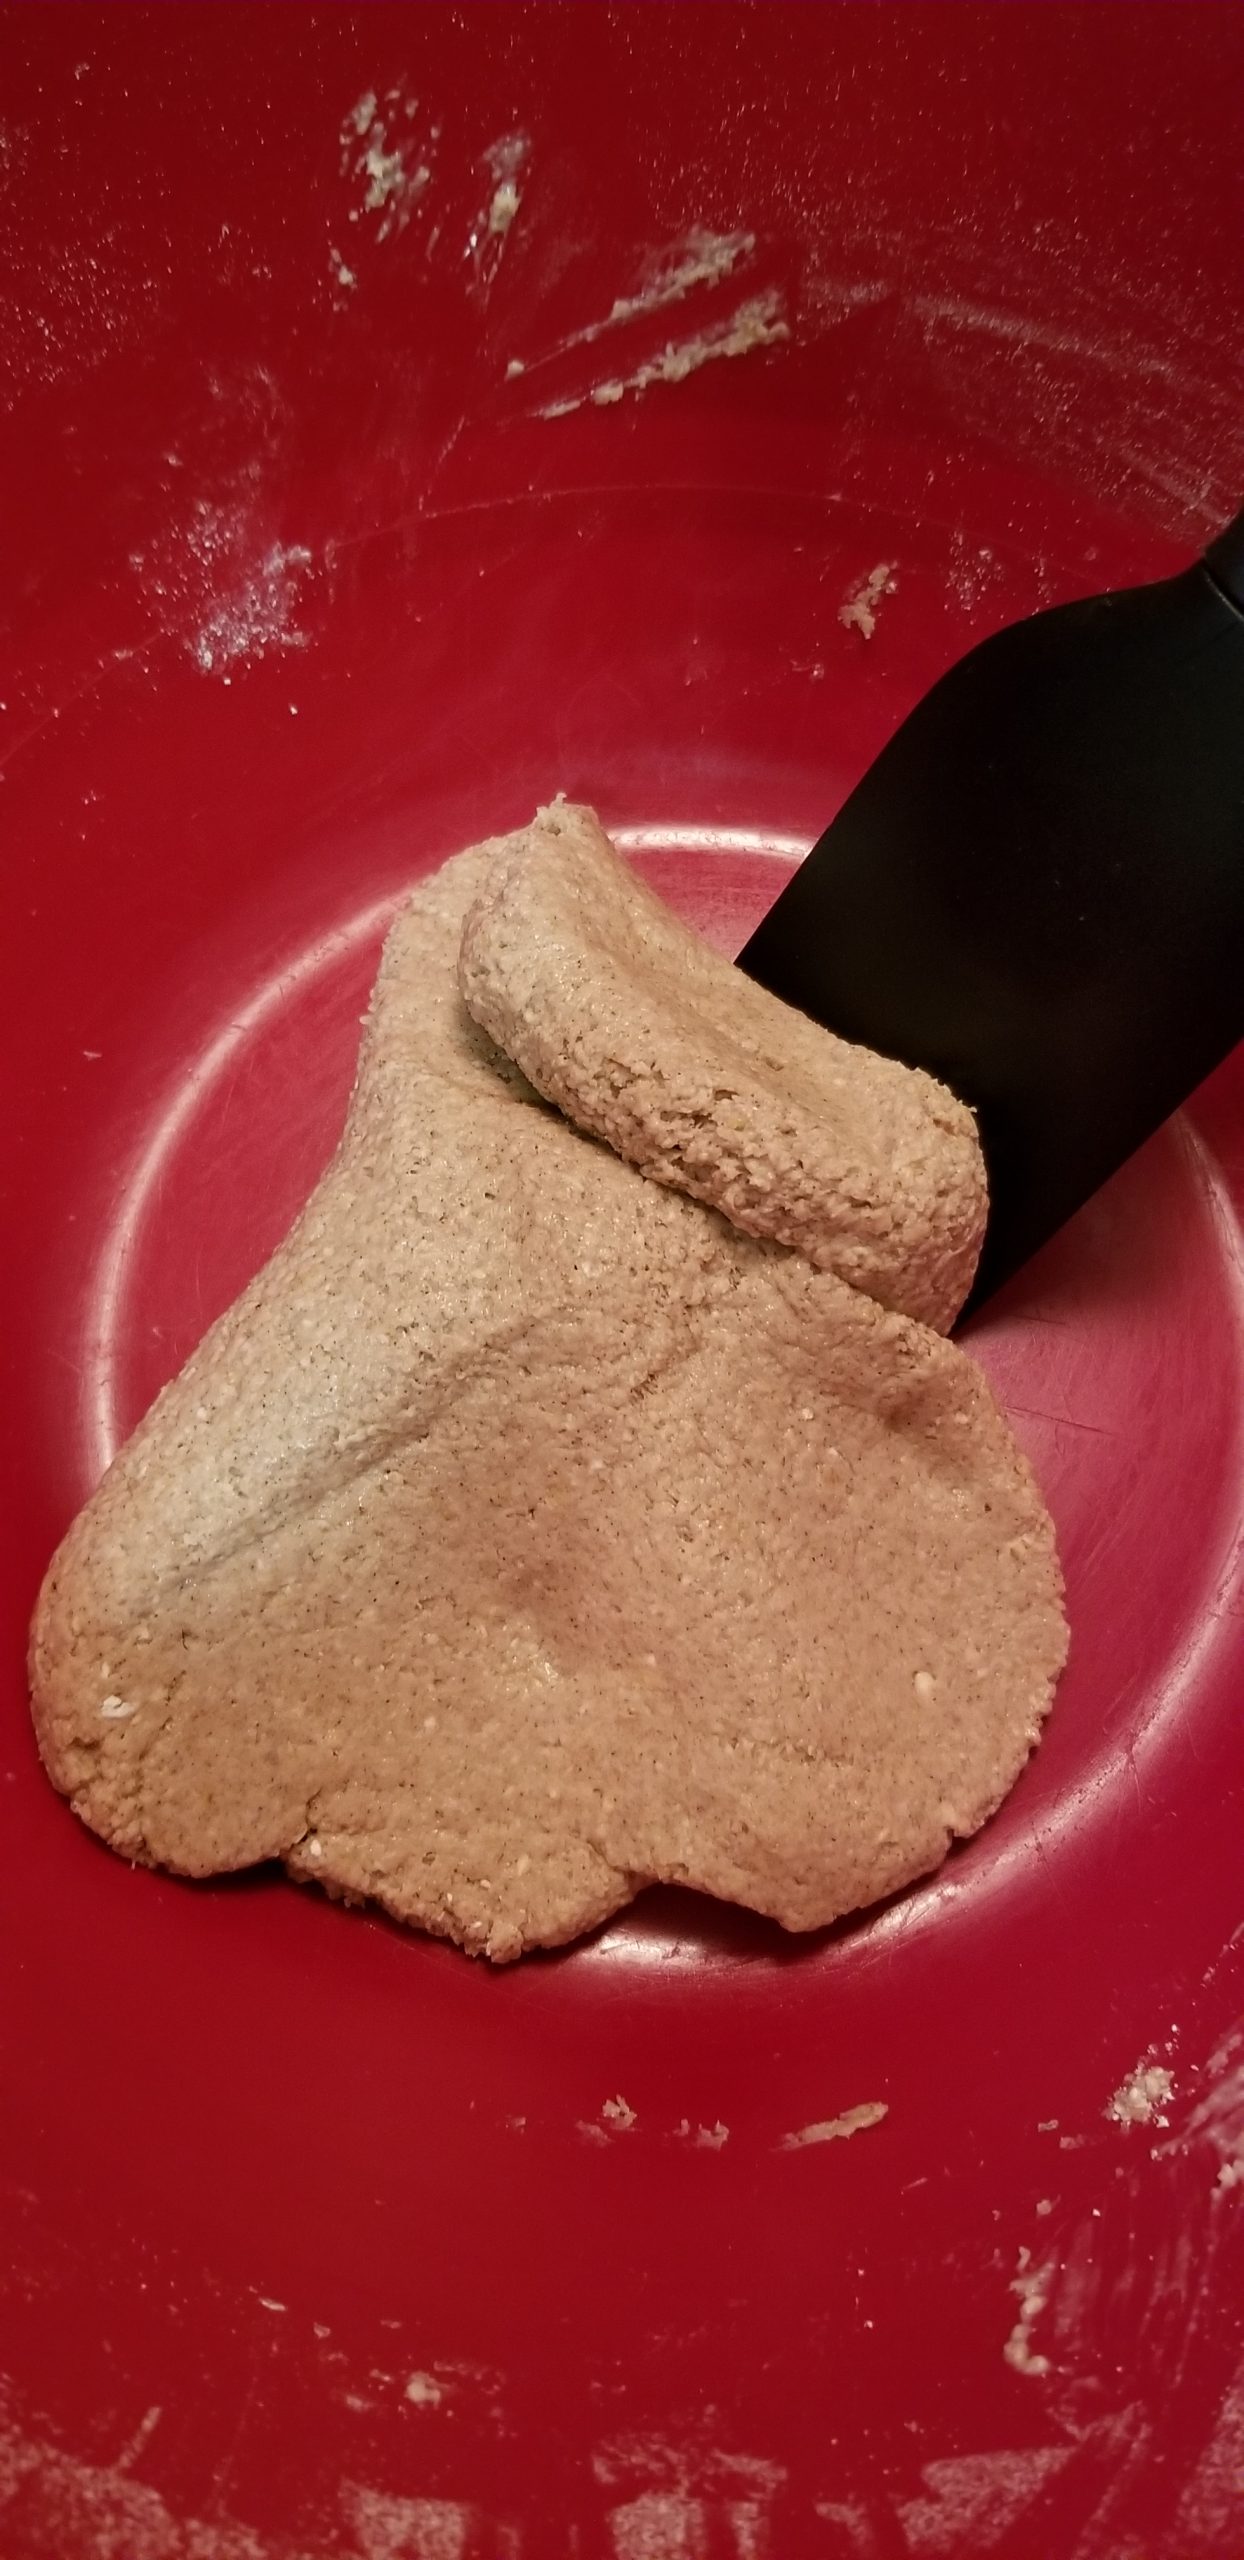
(525, 1533)
(643, 1035)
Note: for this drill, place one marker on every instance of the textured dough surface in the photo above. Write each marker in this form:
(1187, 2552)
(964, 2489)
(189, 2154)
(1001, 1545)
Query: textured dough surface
(525, 1533)
(650, 1040)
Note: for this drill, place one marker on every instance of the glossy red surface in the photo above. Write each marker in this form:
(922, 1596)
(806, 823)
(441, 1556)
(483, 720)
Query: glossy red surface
(318, 2240)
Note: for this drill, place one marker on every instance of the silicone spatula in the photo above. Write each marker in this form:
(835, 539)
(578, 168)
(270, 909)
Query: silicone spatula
(1037, 890)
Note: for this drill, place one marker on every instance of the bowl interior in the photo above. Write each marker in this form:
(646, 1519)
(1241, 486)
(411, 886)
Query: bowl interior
(415, 412)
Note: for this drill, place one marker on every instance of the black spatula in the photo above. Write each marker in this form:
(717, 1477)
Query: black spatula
(1037, 891)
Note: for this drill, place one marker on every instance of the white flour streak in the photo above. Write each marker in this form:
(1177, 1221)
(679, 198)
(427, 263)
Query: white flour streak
(974, 568)
(383, 156)
(833, 298)
(142, 2435)
(836, 2128)
(1218, 2116)
(1031, 2287)
(387, 2528)
(256, 615)
(1208, 2516)
(948, 311)
(757, 323)
(505, 160)
(750, 2530)
(660, 2526)
(70, 2505)
(853, 2521)
(703, 257)
(700, 258)
(223, 585)
(687, 2499)
(975, 2498)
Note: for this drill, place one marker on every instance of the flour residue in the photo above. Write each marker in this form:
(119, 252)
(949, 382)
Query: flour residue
(851, 2519)
(505, 165)
(617, 2113)
(1217, 2119)
(384, 157)
(836, 2128)
(660, 2526)
(67, 2504)
(758, 322)
(390, 2528)
(505, 160)
(858, 609)
(974, 569)
(257, 616)
(831, 299)
(1031, 2288)
(975, 2499)
(682, 2498)
(423, 2391)
(1207, 2519)
(1021, 328)
(703, 2137)
(1142, 2097)
(140, 2439)
(225, 585)
(700, 258)
(504, 206)
(64, 315)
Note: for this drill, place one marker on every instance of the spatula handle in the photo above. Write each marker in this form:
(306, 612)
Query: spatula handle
(1225, 563)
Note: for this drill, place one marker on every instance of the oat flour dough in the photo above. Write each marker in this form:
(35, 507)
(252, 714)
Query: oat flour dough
(525, 1533)
(701, 1078)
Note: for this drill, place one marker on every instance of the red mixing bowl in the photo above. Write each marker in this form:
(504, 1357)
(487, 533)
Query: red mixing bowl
(409, 412)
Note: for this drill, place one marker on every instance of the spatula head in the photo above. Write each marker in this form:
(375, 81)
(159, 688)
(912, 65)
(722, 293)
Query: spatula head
(1037, 891)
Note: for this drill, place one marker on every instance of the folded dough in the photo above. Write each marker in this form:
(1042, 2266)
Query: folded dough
(650, 1040)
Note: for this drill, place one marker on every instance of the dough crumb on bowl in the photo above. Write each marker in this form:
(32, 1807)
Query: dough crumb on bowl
(858, 610)
(1031, 2288)
(1142, 2096)
(840, 2128)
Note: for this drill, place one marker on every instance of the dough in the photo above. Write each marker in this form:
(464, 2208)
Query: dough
(701, 1078)
(525, 1533)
